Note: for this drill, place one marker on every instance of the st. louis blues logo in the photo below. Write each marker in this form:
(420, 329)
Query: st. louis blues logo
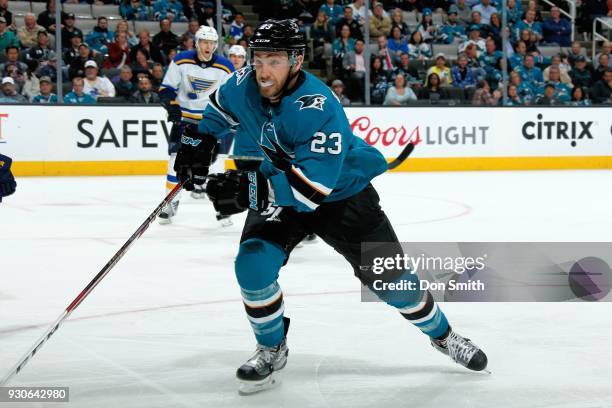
(199, 85)
(312, 101)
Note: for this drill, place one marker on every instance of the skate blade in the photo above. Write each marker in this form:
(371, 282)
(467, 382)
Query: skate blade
(198, 196)
(164, 221)
(252, 387)
(226, 222)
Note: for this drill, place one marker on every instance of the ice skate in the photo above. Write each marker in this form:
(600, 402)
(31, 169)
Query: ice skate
(462, 351)
(199, 192)
(260, 371)
(169, 211)
(225, 220)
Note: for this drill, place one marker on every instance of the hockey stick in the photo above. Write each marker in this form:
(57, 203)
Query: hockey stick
(90, 287)
(407, 151)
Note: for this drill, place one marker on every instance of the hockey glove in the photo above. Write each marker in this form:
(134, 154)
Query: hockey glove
(174, 113)
(194, 157)
(7, 181)
(234, 191)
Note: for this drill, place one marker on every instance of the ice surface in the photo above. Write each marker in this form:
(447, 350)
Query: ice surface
(166, 328)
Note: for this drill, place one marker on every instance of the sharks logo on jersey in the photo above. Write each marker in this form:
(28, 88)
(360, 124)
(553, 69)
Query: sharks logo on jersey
(268, 140)
(242, 73)
(199, 84)
(312, 101)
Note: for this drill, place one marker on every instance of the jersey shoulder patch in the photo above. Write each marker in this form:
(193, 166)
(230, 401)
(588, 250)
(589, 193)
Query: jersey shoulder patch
(185, 57)
(315, 101)
(223, 64)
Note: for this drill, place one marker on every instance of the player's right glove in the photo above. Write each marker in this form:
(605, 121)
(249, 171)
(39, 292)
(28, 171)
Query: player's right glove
(174, 113)
(7, 181)
(235, 191)
(194, 157)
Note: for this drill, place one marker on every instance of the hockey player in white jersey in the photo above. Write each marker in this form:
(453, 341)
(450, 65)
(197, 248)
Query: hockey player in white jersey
(191, 77)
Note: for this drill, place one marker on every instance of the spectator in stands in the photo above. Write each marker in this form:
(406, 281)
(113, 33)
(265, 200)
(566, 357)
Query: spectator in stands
(397, 20)
(165, 39)
(12, 59)
(384, 53)
(426, 27)
(354, 65)
(474, 38)
(579, 97)
(514, 99)
(7, 37)
(530, 24)
(95, 85)
(516, 59)
(236, 29)
(46, 92)
(99, 38)
(142, 62)
(574, 52)
(321, 34)
(379, 23)
(123, 27)
(28, 33)
(145, 43)
(477, 21)
(532, 5)
(523, 90)
(9, 92)
(11, 70)
(513, 12)
(452, 31)
(433, 91)
(461, 75)
(417, 49)
(118, 52)
(338, 88)
(557, 30)
(359, 10)
(341, 46)
(486, 10)
(186, 43)
(411, 75)
(78, 94)
(549, 97)
(30, 85)
(193, 12)
(602, 67)
(157, 75)
(145, 94)
(333, 11)
(69, 30)
(440, 69)
(399, 94)
(6, 14)
(133, 10)
(248, 32)
(41, 52)
(123, 83)
(72, 51)
(605, 49)
(490, 60)
(397, 44)
(556, 62)
(77, 65)
(464, 13)
(484, 96)
(495, 31)
(529, 40)
(581, 76)
(379, 81)
(530, 74)
(168, 9)
(562, 91)
(471, 53)
(192, 28)
(47, 17)
(237, 55)
(348, 20)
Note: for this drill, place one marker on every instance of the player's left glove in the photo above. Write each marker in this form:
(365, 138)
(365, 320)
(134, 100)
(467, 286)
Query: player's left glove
(7, 181)
(235, 191)
(194, 157)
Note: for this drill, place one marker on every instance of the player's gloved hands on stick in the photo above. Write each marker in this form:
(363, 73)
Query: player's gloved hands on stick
(7, 181)
(234, 191)
(174, 113)
(194, 157)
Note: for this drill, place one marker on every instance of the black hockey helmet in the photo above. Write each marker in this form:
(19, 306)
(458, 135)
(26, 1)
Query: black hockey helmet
(279, 35)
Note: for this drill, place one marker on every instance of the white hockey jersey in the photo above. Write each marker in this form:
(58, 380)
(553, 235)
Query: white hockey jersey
(189, 82)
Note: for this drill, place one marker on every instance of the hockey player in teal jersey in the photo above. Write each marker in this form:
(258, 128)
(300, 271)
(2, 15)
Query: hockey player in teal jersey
(318, 173)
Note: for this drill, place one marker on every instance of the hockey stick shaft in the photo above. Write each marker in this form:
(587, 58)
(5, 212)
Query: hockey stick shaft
(90, 287)
(392, 164)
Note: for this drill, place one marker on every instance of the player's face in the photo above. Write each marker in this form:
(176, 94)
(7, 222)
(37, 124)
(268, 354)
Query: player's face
(237, 61)
(206, 49)
(272, 70)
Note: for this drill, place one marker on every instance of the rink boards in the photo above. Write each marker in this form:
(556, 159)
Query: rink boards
(121, 140)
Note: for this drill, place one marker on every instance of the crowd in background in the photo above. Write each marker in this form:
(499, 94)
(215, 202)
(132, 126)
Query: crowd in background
(428, 51)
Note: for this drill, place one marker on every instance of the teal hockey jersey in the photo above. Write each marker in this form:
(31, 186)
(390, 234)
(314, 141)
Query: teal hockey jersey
(329, 162)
